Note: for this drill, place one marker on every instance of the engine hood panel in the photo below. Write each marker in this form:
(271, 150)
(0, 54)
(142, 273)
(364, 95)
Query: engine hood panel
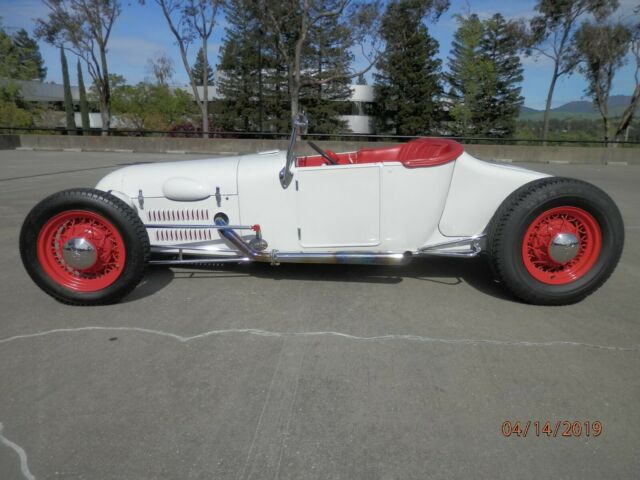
(208, 174)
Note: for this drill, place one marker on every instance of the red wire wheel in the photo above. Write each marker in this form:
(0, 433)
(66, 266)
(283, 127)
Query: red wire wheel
(104, 254)
(538, 239)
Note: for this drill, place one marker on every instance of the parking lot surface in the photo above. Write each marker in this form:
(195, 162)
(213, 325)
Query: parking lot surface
(311, 372)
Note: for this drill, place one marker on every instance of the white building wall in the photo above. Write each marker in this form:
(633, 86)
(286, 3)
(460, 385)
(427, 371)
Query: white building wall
(358, 123)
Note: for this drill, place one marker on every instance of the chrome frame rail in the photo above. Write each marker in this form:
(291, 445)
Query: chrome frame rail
(245, 253)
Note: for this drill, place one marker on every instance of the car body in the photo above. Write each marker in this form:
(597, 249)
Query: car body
(549, 240)
(380, 206)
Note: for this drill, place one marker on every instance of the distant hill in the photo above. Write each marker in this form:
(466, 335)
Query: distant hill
(578, 109)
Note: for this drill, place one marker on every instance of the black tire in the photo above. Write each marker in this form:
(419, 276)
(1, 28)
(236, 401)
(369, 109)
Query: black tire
(120, 215)
(509, 226)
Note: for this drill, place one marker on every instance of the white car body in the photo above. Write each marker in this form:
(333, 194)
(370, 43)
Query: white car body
(380, 207)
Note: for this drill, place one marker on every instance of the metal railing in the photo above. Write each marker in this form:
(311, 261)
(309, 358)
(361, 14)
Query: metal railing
(361, 137)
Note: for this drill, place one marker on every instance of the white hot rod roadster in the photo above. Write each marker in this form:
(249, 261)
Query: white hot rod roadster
(549, 240)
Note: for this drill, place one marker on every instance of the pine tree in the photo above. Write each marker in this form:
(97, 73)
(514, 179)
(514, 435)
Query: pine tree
(500, 45)
(470, 76)
(241, 69)
(198, 70)
(407, 84)
(68, 100)
(484, 77)
(327, 55)
(84, 105)
(31, 62)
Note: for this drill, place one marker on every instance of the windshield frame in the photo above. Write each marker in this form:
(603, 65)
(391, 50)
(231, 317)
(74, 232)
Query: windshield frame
(300, 124)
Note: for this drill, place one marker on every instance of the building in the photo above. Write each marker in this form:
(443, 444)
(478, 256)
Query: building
(358, 114)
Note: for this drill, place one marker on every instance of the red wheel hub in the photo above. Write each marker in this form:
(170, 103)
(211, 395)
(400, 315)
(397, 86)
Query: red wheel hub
(561, 245)
(81, 250)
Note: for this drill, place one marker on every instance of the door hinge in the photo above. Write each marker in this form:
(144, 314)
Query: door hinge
(296, 185)
(299, 234)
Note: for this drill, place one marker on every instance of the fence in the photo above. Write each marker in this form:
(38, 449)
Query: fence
(346, 137)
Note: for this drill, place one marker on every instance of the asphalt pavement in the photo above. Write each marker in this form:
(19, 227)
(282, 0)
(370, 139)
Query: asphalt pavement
(313, 372)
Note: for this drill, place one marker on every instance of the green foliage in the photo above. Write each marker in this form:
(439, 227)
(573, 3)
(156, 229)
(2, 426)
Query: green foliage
(198, 70)
(254, 75)
(484, 77)
(19, 60)
(245, 63)
(147, 106)
(407, 84)
(327, 55)
(20, 57)
(570, 128)
(68, 100)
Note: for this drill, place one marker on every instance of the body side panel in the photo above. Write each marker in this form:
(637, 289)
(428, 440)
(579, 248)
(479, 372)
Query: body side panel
(477, 190)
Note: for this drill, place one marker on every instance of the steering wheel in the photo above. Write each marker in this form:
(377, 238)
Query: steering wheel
(324, 154)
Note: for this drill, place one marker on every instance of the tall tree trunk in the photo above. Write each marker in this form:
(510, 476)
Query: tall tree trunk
(205, 90)
(68, 100)
(294, 89)
(260, 103)
(295, 101)
(627, 116)
(84, 105)
(105, 94)
(547, 108)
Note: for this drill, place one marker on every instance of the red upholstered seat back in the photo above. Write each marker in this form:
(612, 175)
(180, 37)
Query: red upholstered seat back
(428, 152)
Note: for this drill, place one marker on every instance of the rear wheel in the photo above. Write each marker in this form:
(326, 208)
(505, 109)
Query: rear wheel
(84, 247)
(555, 240)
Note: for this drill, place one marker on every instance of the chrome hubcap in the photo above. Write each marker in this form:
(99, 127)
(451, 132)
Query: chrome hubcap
(564, 247)
(79, 253)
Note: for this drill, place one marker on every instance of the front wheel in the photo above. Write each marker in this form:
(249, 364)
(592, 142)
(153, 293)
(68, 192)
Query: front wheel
(555, 240)
(84, 247)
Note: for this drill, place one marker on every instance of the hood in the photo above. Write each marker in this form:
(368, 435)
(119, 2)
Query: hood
(157, 179)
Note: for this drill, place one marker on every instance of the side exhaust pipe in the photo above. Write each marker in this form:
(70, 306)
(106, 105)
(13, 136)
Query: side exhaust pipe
(275, 258)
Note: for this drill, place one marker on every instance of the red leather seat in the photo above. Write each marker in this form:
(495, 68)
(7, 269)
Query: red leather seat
(421, 152)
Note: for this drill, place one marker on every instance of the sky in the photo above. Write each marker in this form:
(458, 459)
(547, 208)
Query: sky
(141, 33)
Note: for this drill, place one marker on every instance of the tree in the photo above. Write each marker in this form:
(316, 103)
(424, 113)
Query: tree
(20, 57)
(190, 21)
(408, 88)
(68, 100)
(201, 70)
(31, 65)
(84, 27)
(471, 77)
(161, 67)
(150, 106)
(288, 25)
(628, 114)
(327, 54)
(601, 50)
(551, 36)
(500, 45)
(17, 62)
(245, 61)
(84, 105)
(484, 76)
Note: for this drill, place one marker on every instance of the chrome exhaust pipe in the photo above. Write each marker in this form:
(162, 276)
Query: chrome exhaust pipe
(275, 258)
